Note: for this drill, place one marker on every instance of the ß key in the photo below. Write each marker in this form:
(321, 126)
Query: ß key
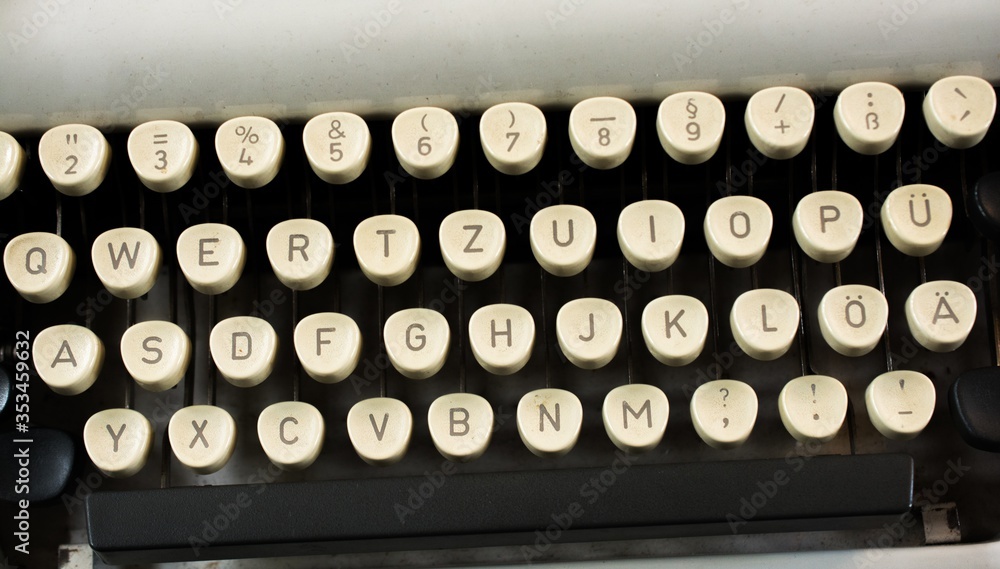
(250, 150)
(602, 131)
(869, 116)
(75, 158)
(426, 141)
(338, 146)
(163, 154)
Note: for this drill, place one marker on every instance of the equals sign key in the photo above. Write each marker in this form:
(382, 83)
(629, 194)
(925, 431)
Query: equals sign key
(160, 138)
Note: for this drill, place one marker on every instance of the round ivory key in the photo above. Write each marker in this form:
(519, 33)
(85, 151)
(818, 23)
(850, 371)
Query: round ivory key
(764, 322)
(244, 349)
(635, 416)
(39, 265)
(813, 408)
(202, 437)
(12, 160)
(549, 421)
(916, 218)
(650, 234)
(388, 248)
(563, 238)
(68, 358)
(513, 137)
(301, 252)
(337, 146)
(852, 319)
(602, 131)
(328, 345)
(900, 403)
(75, 158)
(417, 341)
(250, 150)
(724, 412)
(738, 229)
(163, 154)
(779, 121)
(941, 314)
(156, 354)
(211, 256)
(461, 425)
(869, 116)
(426, 141)
(827, 225)
(127, 260)
(380, 429)
(118, 441)
(674, 328)
(589, 331)
(502, 336)
(959, 110)
(291, 434)
(473, 242)
(690, 126)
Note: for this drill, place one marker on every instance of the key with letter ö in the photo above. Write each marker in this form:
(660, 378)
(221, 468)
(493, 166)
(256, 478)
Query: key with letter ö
(674, 328)
(426, 141)
(244, 349)
(513, 137)
(764, 322)
(589, 331)
(738, 229)
(291, 433)
(779, 121)
(869, 116)
(75, 158)
(827, 225)
(163, 154)
(12, 159)
(338, 146)
(690, 126)
(301, 252)
(635, 416)
(387, 247)
(724, 412)
(127, 261)
(211, 256)
(813, 408)
(417, 340)
(118, 441)
(549, 421)
(563, 238)
(461, 425)
(473, 242)
(250, 150)
(650, 234)
(900, 403)
(202, 437)
(502, 336)
(852, 319)
(68, 358)
(156, 354)
(380, 430)
(940, 314)
(328, 346)
(916, 218)
(602, 131)
(39, 265)
(959, 110)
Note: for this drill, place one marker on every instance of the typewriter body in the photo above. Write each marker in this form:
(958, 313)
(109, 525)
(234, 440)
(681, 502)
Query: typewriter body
(864, 494)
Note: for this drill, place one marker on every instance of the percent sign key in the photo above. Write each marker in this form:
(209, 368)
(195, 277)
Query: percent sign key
(250, 150)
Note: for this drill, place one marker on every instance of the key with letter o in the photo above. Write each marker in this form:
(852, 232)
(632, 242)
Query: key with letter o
(202, 437)
(68, 358)
(738, 229)
(852, 319)
(417, 341)
(39, 265)
(118, 441)
(461, 425)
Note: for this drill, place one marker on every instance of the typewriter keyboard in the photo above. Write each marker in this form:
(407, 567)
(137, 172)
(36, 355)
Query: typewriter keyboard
(523, 330)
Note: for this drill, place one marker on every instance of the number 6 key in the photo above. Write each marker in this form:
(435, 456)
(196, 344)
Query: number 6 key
(426, 141)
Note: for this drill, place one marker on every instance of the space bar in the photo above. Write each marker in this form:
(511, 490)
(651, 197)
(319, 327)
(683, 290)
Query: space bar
(620, 501)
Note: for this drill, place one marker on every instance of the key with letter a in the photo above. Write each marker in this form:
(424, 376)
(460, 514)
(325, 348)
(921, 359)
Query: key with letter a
(461, 425)
(68, 358)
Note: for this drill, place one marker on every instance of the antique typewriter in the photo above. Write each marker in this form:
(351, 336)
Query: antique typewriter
(333, 284)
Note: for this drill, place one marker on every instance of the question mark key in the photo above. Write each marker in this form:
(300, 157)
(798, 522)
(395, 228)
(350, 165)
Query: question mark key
(724, 412)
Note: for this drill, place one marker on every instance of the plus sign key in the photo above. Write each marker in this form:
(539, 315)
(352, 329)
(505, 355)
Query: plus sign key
(779, 121)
